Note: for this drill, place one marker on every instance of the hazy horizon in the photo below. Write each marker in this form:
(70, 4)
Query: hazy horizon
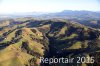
(22, 6)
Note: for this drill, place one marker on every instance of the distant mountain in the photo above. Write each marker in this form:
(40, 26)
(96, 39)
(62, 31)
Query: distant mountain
(69, 14)
(20, 15)
(66, 14)
(87, 18)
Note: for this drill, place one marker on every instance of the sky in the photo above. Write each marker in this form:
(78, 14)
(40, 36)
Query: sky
(20, 6)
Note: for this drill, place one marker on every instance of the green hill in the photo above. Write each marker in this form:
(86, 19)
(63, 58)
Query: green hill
(24, 41)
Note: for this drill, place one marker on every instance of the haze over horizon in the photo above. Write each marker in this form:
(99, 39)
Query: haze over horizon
(21, 6)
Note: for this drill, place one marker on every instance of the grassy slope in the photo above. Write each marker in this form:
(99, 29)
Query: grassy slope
(13, 54)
